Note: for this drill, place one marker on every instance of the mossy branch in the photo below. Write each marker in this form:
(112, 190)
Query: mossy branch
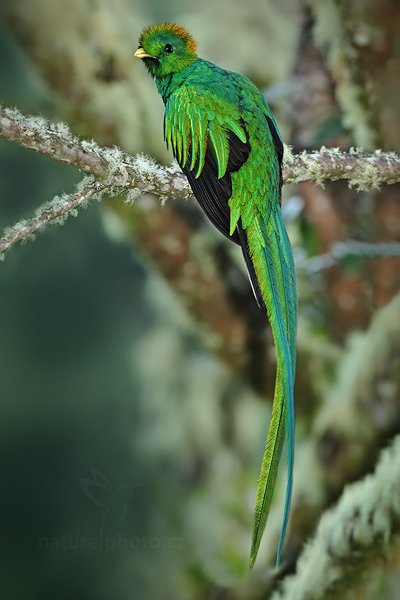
(110, 165)
(352, 536)
(136, 175)
(363, 171)
(56, 211)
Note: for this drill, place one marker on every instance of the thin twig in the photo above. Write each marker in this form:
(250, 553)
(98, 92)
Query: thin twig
(340, 251)
(56, 211)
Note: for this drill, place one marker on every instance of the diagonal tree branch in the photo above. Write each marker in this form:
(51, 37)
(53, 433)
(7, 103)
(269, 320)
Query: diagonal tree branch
(55, 211)
(351, 537)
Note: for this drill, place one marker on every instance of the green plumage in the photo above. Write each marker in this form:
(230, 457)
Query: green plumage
(226, 140)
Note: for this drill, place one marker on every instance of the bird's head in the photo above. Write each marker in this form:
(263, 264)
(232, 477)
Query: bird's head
(166, 49)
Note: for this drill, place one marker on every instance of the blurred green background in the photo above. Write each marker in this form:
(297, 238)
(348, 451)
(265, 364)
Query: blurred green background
(129, 449)
(73, 315)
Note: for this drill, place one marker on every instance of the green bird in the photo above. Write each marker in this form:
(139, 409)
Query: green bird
(227, 143)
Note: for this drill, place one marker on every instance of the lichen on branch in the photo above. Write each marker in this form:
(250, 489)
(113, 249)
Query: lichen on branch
(112, 165)
(111, 168)
(54, 212)
(363, 171)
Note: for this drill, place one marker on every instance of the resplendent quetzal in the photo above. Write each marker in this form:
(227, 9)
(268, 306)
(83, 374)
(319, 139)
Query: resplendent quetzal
(227, 143)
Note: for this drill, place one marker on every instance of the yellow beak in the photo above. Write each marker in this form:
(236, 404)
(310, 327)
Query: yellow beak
(140, 53)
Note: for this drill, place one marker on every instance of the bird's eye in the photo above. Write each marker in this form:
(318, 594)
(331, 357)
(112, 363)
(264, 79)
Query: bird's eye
(168, 48)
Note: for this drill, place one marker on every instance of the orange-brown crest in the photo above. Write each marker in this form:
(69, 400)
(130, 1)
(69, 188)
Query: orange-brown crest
(174, 28)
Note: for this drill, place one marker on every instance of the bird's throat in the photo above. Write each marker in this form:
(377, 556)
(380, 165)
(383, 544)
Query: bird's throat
(168, 84)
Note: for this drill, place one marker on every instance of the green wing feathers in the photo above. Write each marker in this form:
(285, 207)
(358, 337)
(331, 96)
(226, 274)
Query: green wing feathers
(192, 119)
